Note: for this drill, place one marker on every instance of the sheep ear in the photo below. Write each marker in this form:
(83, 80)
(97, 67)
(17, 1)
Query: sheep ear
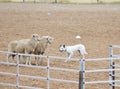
(48, 38)
(33, 35)
(64, 46)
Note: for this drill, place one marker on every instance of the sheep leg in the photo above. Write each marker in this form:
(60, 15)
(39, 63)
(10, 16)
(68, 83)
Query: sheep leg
(20, 60)
(24, 60)
(37, 60)
(8, 57)
(29, 60)
(41, 60)
(13, 56)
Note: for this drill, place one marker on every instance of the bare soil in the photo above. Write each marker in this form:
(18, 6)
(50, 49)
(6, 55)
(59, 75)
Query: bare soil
(98, 25)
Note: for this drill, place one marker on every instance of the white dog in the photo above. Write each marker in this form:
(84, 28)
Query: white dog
(71, 49)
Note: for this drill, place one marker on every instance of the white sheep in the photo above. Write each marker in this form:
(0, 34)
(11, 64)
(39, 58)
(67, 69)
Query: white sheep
(41, 46)
(23, 46)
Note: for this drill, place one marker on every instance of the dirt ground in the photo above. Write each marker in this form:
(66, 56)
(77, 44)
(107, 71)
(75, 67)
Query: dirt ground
(98, 25)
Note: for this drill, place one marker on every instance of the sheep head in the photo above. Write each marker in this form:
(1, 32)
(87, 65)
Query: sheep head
(49, 39)
(36, 37)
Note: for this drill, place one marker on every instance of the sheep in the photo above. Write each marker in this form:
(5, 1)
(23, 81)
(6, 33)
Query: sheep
(42, 45)
(23, 46)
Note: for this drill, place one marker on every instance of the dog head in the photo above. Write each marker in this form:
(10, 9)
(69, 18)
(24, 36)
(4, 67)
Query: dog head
(62, 48)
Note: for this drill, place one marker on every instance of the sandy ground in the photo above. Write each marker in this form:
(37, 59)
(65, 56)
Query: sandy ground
(98, 25)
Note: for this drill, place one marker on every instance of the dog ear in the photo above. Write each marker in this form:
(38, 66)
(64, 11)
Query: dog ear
(64, 46)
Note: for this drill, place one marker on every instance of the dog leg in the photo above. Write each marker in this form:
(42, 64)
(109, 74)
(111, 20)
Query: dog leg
(69, 57)
(83, 56)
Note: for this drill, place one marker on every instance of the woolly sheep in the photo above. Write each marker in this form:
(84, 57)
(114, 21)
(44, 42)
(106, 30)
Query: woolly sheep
(42, 45)
(23, 46)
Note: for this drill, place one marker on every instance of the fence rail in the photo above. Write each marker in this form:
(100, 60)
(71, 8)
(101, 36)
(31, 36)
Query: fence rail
(48, 68)
(113, 67)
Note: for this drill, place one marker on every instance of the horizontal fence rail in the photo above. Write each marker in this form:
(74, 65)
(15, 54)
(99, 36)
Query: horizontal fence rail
(96, 82)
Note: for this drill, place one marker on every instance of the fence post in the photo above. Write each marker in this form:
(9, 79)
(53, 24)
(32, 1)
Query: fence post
(111, 72)
(48, 72)
(113, 77)
(17, 74)
(82, 74)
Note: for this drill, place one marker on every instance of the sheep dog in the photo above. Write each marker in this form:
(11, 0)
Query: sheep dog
(72, 49)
